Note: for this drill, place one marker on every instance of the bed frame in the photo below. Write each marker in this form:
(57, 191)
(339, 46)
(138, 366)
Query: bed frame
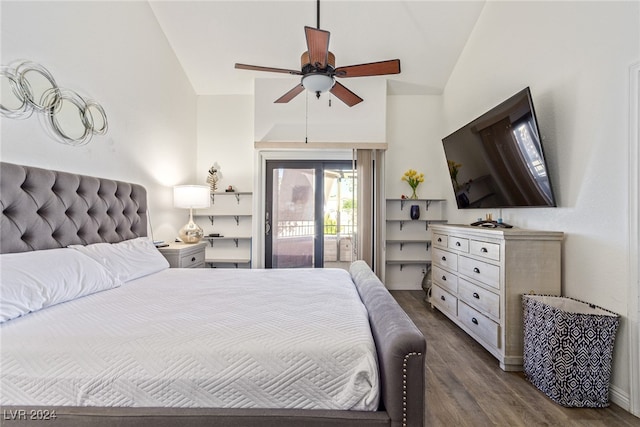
(44, 209)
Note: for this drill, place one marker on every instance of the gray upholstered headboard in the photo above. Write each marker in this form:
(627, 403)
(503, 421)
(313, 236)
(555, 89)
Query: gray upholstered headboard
(45, 209)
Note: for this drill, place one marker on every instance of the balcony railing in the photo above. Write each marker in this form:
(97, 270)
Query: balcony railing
(307, 228)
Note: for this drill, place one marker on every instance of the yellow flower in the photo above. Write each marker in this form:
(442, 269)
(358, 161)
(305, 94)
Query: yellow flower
(413, 178)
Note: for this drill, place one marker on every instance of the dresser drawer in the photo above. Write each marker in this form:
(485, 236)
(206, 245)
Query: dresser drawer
(483, 327)
(485, 249)
(194, 260)
(459, 244)
(488, 274)
(482, 299)
(445, 279)
(440, 240)
(445, 259)
(444, 300)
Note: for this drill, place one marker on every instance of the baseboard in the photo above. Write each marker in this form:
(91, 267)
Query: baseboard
(620, 398)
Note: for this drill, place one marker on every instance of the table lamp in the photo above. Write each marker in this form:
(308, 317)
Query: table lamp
(190, 197)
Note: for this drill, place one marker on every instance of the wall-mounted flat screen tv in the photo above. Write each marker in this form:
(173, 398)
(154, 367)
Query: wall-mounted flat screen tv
(497, 161)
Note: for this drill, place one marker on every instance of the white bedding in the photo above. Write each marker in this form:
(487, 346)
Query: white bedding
(198, 338)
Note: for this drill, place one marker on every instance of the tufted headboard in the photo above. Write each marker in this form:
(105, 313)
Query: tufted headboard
(45, 209)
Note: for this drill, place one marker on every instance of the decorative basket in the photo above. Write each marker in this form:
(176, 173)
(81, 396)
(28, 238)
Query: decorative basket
(568, 347)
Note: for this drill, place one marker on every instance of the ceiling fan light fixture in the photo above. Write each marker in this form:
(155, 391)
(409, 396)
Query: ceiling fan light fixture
(318, 83)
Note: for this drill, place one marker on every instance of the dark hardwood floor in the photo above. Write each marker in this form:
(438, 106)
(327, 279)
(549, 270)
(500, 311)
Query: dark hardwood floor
(466, 387)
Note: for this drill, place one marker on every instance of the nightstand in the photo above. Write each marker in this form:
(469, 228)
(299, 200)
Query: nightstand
(184, 255)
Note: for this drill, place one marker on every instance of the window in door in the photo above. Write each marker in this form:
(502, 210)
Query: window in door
(310, 214)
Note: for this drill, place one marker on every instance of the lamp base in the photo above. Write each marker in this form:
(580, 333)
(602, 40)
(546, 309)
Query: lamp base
(191, 232)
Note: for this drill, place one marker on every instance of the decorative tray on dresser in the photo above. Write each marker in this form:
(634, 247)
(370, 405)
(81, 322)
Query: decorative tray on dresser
(480, 275)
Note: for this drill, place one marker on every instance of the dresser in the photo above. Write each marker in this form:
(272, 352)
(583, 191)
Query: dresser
(185, 255)
(480, 274)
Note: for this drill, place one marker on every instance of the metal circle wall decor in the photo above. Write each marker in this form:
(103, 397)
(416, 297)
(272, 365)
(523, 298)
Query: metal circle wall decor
(13, 103)
(71, 119)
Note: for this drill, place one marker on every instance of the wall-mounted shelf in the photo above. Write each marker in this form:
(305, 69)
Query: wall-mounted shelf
(420, 202)
(211, 262)
(402, 242)
(236, 217)
(426, 222)
(404, 262)
(408, 241)
(229, 216)
(235, 239)
(237, 194)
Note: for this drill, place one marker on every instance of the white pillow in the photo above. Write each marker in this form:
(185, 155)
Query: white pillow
(34, 280)
(127, 260)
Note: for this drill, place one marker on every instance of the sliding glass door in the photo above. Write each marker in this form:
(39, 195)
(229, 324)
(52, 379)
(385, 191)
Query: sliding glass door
(310, 214)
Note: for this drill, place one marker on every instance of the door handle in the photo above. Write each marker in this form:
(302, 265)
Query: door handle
(267, 224)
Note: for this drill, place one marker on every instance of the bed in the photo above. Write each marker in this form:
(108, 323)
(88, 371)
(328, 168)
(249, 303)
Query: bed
(132, 342)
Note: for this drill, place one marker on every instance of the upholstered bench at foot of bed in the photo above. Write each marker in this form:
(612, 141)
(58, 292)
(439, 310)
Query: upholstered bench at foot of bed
(401, 347)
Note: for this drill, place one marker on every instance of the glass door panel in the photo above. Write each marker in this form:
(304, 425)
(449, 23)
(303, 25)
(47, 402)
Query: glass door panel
(310, 214)
(291, 243)
(339, 216)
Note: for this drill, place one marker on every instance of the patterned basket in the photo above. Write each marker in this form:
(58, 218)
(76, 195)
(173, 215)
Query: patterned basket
(568, 347)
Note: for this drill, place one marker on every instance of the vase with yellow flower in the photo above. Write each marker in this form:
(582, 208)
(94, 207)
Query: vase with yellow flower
(413, 178)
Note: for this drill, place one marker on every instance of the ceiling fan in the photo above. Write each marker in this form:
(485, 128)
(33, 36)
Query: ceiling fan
(318, 69)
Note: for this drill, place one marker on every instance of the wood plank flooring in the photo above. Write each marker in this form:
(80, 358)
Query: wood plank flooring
(466, 387)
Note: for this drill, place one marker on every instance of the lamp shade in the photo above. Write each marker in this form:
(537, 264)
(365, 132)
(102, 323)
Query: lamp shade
(191, 196)
(317, 82)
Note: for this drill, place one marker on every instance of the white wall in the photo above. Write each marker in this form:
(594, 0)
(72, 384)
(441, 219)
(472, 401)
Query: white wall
(414, 128)
(225, 138)
(115, 53)
(308, 116)
(575, 56)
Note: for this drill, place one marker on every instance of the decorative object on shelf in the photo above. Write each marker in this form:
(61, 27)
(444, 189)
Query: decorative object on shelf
(229, 189)
(414, 212)
(190, 197)
(71, 119)
(413, 178)
(212, 179)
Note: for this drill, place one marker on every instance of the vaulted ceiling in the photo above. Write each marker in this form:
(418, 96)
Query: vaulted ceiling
(210, 36)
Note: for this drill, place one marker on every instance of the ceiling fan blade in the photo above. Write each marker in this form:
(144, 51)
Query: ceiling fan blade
(270, 69)
(318, 46)
(289, 95)
(371, 69)
(345, 95)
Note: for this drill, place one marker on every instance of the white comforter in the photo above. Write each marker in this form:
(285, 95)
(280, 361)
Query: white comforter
(198, 338)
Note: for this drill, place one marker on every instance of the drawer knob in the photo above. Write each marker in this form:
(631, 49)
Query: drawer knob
(193, 259)
(476, 296)
(476, 270)
(457, 243)
(439, 240)
(444, 278)
(484, 250)
(442, 298)
(444, 258)
(474, 320)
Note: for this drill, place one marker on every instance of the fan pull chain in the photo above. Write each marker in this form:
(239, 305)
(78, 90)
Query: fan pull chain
(306, 116)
